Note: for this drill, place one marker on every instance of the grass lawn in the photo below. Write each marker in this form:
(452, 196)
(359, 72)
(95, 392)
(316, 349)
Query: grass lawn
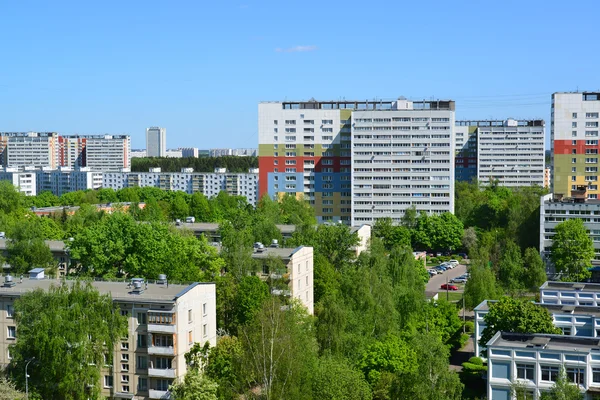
(452, 296)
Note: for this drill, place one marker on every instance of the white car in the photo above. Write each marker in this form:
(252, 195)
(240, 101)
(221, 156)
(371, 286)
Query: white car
(453, 262)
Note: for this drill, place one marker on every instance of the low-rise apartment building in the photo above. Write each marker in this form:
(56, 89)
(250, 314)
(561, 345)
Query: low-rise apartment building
(210, 184)
(533, 361)
(163, 321)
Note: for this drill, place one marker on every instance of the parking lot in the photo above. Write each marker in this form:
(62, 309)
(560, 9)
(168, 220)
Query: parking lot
(438, 280)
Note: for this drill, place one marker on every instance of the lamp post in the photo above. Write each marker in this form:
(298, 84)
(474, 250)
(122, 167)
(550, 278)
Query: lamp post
(27, 378)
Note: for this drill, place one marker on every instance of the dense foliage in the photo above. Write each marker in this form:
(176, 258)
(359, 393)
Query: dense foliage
(202, 164)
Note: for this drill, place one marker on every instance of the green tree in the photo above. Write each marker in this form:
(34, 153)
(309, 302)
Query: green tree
(280, 352)
(179, 206)
(510, 268)
(200, 208)
(8, 391)
(409, 219)
(563, 389)
(438, 232)
(68, 330)
(516, 315)
(195, 386)
(469, 239)
(480, 286)
(336, 380)
(392, 355)
(572, 250)
(535, 273)
(11, 200)
(251, 293)
(432, 378)
(222, 364)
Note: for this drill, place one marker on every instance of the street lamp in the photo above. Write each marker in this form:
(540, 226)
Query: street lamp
(26, 378)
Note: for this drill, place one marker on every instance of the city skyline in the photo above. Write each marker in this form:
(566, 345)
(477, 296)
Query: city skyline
(99, 79)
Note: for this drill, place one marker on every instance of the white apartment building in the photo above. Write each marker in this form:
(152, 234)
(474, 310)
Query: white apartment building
(534, 362)
(23, 180)
(210, 184)
(242, 152)
(108, 152)
(164, 322)
(299, 266)
(402, 156)
(65, 180)
(156, 141)
(511, 152)
(31, 149)
(555, 209)
(187, 152)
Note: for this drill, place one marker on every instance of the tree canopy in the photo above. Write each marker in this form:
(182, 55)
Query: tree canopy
(572, 250)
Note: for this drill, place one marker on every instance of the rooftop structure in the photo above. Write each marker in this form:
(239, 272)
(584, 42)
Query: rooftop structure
(156, 142)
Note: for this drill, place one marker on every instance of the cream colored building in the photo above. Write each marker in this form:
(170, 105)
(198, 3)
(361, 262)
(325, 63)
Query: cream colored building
(164, 322)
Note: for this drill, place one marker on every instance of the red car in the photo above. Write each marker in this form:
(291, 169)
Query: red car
(445, 286)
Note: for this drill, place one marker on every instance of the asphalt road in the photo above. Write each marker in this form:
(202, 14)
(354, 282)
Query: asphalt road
(438, 280)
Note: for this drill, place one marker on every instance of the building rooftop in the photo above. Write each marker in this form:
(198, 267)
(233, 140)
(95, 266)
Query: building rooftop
(282, 252)
(54, 245)
(544, 341)
(501, 123)
(121, 291)
(552, 308)
(363, 105)
(211, 227)
(575, 286)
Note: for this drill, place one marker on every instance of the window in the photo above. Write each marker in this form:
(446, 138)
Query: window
(142, 341)
(274, 122)
(125, 389)
(573, 160)
(573, 133)
(596, 375)
(574, 124)
(125, 367)
(574, 115)
(573, 178)
(576, 375)
(108, 381)
(125, 357)
(525, 371)
(124, 313)
(143, 384)
(204, 309)
(190, 337)
(9, 311)
(141, 317)
(566, 330)
(124, 346)
(549, 373)
(591, 115)
(573, 169)
(591, 124)
(573, 151)
(205, 330)
(189, 315)
(125, 378)
(142, 362)
(12, 332)
(306, 281)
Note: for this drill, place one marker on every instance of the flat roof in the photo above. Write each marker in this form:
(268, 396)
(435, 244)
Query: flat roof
(552, 308)
(54, 245)
(575, 286)
(212, 227)
(283, 252)
(118, 290)
(544, 341)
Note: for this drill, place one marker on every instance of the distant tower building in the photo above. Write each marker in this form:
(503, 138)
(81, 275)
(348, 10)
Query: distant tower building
(156, 141)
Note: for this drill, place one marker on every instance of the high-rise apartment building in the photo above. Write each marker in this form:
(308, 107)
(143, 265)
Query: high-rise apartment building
(574, 139)
(304, 150)
(510, 151)
(31, 149)
(164, 321)
(108, 152)
(156, 142)
(402, 156)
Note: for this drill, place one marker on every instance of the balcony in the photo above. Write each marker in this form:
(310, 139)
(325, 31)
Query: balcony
(161, 328)
(161, 373)
(159, 394)
(161, 350)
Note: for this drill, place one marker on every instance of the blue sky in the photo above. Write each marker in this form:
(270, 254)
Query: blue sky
(199, 68)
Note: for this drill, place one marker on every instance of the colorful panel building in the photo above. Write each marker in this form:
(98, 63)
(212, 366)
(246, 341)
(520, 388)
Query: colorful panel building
(304, 150)
(574, 138)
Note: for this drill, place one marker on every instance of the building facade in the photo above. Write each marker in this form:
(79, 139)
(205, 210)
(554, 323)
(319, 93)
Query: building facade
(402, 157)
(23, 180)
(108, 152)
(156, 141)
(189, 152)
(163, 321)
(534, 361)
(510, 152)
(555, 209)
(59, 181)
(31, 149)
(574, 139)
(210, 184)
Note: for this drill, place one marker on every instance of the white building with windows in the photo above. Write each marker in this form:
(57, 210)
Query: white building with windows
(402, 156)
(534, 360)
(210, 184)
(31, 149)
(164, 321)
(156, 142)
(23, 180)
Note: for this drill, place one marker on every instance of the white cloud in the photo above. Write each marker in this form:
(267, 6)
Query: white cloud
(296, 49)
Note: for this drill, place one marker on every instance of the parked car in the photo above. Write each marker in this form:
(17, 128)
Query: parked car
(449, 265)
(446, 286)
(432, 271)
(459, 279)
(441, 268)
(453, 262)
